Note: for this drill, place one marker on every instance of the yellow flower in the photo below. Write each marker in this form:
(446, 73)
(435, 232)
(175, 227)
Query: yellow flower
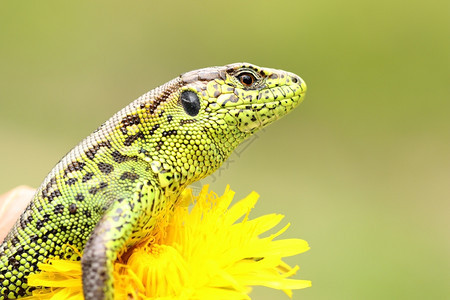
(201, 253)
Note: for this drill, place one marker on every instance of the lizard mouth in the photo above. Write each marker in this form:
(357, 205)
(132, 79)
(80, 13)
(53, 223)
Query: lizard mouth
(271, 105)
(251, 110)
(251, 117)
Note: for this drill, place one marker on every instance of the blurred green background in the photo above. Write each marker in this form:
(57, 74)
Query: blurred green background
(361, 169)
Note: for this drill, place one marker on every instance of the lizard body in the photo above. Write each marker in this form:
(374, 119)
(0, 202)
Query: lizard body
(109, 190)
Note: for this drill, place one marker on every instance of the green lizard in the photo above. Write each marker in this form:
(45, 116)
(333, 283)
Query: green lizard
(108, 191)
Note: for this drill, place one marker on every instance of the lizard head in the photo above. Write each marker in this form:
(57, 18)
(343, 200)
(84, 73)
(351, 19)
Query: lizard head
(195, 121)
(244, 96)
(232, 102)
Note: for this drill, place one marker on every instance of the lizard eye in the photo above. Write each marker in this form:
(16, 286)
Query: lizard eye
(190, 102)
(247, 79)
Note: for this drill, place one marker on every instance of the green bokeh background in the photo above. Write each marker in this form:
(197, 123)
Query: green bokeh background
(361, 169)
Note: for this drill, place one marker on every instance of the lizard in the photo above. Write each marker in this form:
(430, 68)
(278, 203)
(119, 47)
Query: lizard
(107, 192)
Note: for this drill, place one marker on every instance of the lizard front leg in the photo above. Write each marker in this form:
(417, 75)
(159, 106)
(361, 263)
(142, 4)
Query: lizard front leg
(101, 250)
(122, 225)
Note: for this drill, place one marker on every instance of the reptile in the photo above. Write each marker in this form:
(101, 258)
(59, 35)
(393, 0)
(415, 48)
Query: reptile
(109, 191)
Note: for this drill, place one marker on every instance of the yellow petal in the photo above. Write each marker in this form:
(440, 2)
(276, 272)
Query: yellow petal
(204, 253)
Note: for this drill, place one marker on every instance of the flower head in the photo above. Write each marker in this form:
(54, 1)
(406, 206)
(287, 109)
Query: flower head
(212, 251)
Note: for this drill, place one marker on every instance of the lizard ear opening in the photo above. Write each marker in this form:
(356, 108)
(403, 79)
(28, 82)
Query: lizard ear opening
(190, 102)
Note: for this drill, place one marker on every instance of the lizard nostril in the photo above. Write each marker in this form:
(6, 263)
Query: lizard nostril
(295, 79)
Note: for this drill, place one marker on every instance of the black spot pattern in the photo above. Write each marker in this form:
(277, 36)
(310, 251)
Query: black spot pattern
(53, 195)
(74, 166)
(87, 213)
(59, 209)
(73, 208)
(169, 132)
(129, 120)
(91, 152)
(129, 175)
(154, 128)
(119, 157)
(132, 138)
(87, 177)
(15, 241)
(105, 168)
(182, 122)
(79, 197)
(71, 181)
(93, 190)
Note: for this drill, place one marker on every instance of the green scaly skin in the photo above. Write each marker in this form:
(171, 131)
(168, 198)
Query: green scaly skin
(108, 192)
